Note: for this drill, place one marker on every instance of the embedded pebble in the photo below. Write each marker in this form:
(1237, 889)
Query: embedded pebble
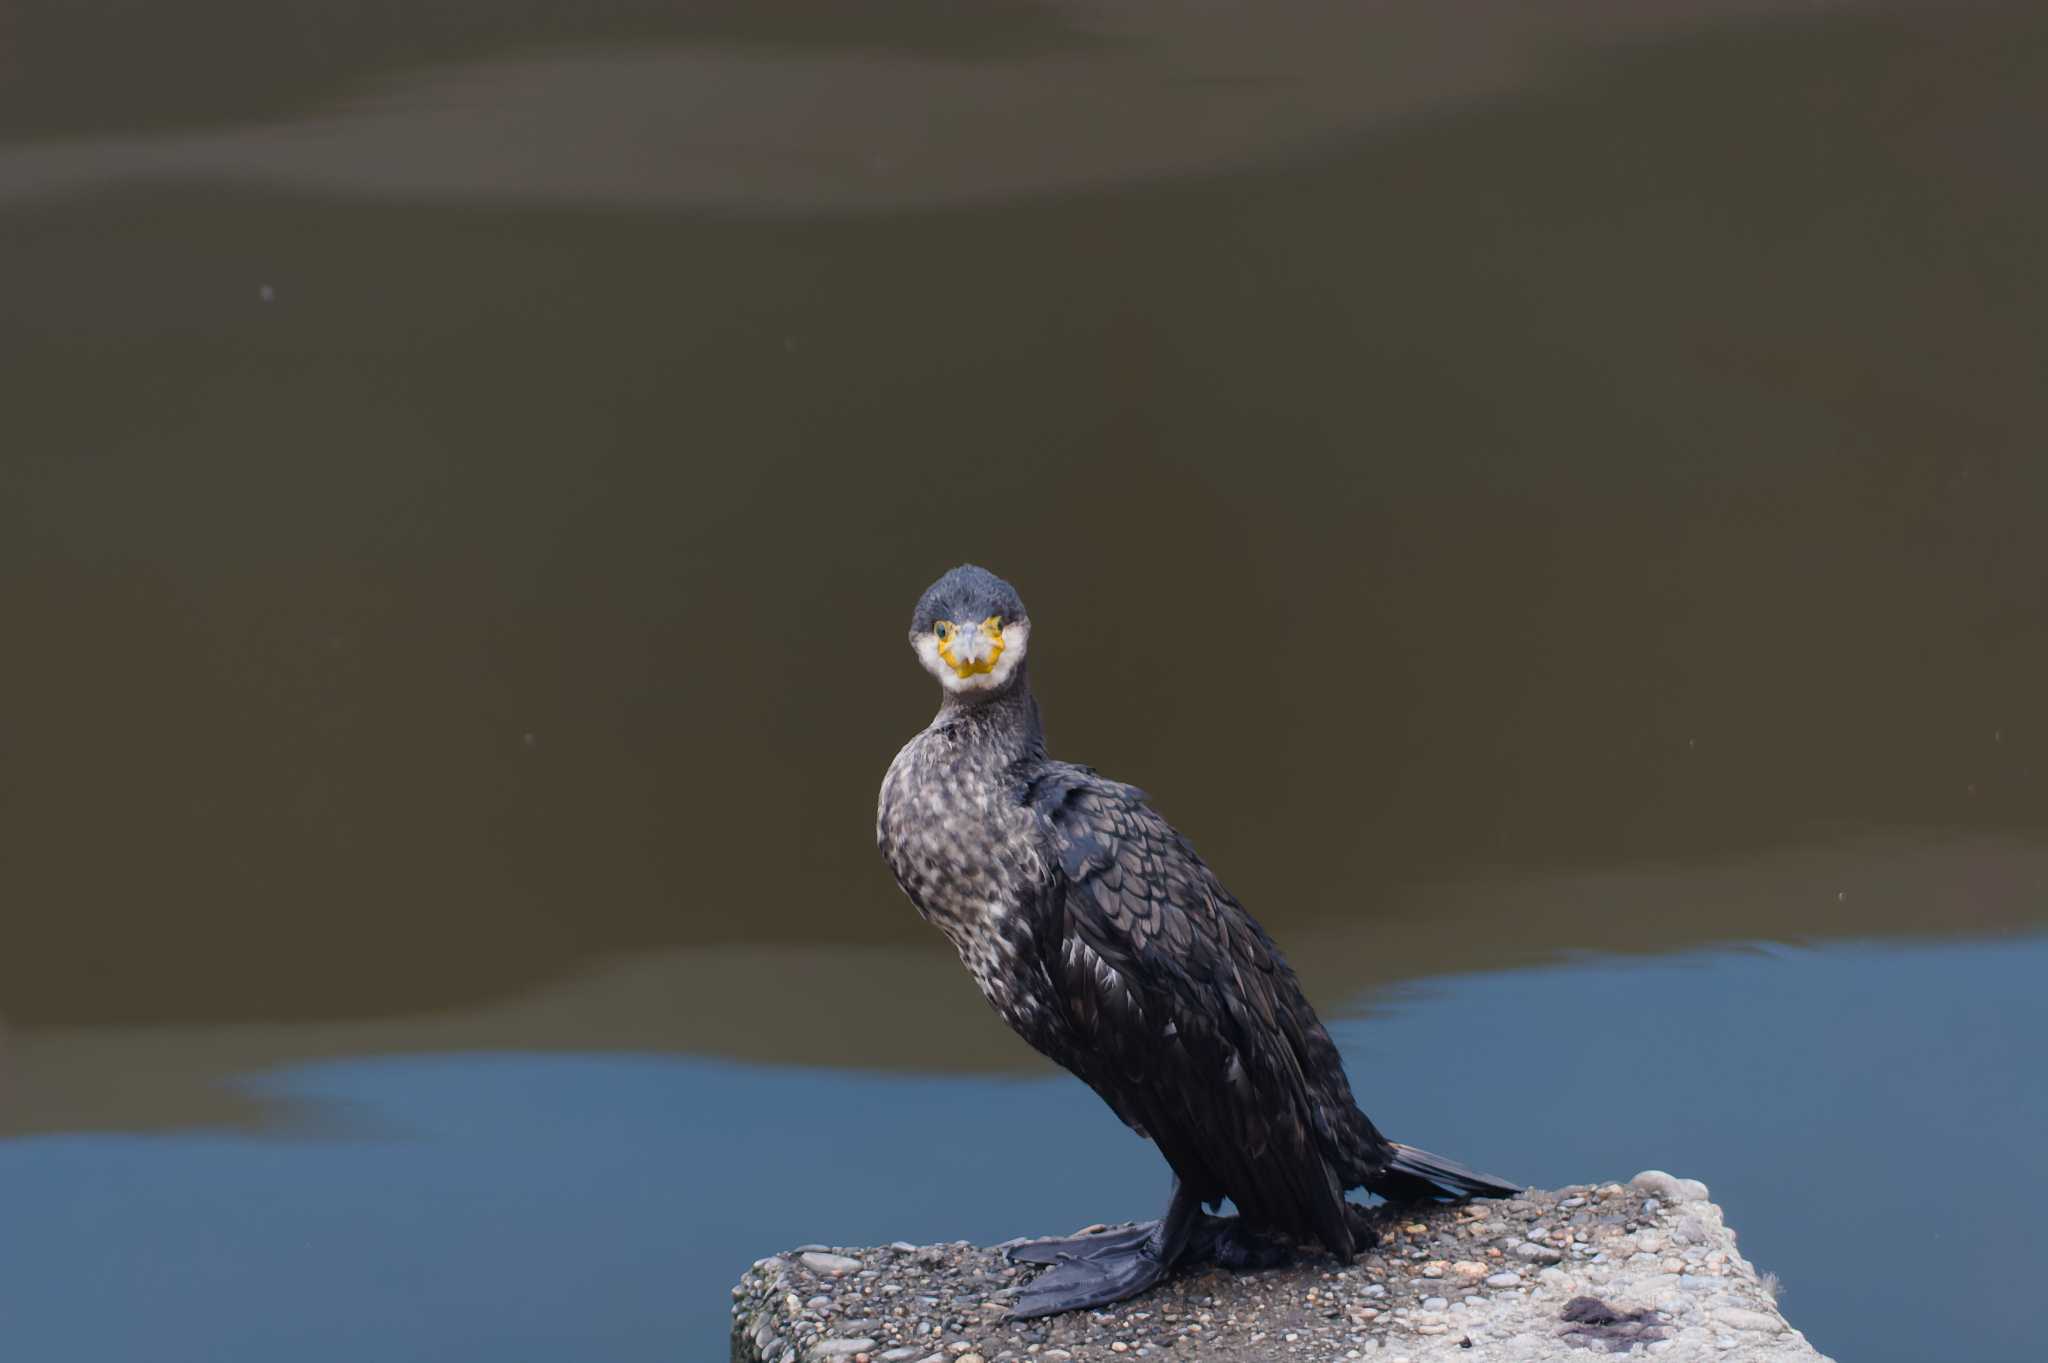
(820, 1261)
(1659, 1184)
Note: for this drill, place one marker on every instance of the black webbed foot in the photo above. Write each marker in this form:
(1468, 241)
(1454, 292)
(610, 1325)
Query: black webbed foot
(1110, 1265)
(1104, 1275)
(1095, 1270)
(1224, 1241)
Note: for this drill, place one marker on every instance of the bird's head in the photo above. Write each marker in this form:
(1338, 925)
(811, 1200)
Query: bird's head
(970, 631)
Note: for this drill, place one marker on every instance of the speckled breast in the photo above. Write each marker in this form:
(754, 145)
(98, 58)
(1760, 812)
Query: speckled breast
(965, 851)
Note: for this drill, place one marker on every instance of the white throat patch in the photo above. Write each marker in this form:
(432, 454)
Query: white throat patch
(1015, 637)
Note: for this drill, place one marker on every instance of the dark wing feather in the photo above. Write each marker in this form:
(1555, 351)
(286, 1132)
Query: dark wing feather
(1175, 1006)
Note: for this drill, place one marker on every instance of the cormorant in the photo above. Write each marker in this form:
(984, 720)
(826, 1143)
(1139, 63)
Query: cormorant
(1096, 932)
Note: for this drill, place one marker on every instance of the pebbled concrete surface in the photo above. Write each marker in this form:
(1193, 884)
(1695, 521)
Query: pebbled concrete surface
(1648, 1269)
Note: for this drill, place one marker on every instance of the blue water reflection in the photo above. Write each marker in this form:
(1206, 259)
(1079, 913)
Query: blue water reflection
(1863, 1112)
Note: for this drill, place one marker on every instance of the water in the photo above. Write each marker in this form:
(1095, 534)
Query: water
(469, 1204)
(1562, 484)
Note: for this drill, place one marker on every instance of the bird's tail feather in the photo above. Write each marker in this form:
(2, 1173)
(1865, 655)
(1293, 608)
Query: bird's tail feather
(1414, 1175)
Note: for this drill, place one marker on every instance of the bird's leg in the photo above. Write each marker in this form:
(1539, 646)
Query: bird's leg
(1094, 1270)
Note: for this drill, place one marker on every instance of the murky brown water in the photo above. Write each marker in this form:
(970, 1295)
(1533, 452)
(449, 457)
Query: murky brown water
(1512, 486)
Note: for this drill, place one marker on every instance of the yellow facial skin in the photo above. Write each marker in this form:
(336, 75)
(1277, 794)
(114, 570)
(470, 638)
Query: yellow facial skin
(970, 650)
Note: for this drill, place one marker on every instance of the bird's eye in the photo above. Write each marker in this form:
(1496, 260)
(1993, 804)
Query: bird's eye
(943, 631)
(994, 624)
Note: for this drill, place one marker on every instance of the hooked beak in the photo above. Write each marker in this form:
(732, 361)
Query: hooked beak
(972, 650)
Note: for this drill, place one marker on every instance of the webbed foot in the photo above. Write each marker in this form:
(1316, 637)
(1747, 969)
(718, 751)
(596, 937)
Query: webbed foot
(1110, 1265)
(1095, 1270)
(1223, 1241)
(1103, 1275)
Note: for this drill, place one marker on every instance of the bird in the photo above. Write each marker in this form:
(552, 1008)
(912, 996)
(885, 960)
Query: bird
(1098, 934)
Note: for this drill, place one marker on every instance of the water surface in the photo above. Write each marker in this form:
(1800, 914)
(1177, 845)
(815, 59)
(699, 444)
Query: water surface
(465, 1205)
